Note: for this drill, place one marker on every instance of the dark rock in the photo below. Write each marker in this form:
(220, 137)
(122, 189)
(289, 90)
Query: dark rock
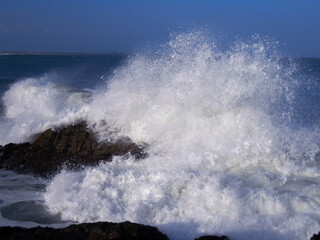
(315, 237)
(71, 146)
(85, 231)
(1, 149)
(212, 238)
(18, 152)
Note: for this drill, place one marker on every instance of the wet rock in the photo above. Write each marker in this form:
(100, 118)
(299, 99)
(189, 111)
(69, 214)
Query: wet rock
(16, 152)
(1, 149)
(85, 231)
(212, 238)
(71, 146)
(315, 237)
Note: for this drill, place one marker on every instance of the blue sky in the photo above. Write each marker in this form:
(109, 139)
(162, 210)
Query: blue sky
(123, 25)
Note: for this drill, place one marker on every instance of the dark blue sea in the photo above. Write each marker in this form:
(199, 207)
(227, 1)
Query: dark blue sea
(233, 139)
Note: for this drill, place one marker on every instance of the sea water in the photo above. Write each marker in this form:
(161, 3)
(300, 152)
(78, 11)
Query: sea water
(232, 138)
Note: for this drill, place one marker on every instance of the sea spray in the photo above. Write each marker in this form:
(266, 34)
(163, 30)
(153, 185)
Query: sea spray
(36, 104)
(224, 153)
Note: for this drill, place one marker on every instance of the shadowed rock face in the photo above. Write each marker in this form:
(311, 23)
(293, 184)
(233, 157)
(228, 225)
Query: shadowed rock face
(315, 237)
(88, 231)
(72, 146)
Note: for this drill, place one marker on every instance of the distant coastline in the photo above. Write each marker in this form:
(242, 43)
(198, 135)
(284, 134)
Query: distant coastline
(58, 53)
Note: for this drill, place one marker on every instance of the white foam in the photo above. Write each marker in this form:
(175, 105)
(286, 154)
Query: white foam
(34, 105)
(223, 157)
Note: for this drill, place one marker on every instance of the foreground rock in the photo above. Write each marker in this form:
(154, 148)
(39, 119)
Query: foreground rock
(212, 238)
(90, 231)
(315, 237)
(70, 146)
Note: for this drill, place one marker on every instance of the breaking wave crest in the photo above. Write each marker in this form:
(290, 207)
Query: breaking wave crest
(224, 154)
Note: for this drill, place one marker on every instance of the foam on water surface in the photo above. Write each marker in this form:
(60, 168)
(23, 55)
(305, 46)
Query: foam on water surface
(224, 153)
(22, 202)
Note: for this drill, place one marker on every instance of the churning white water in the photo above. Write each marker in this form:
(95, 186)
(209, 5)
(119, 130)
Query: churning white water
(36, 104)
(224, 156)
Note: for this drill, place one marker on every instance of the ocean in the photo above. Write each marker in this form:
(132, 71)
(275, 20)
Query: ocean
(233, 138)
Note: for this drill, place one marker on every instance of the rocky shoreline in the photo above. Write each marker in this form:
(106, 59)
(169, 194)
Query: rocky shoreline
(73, 147)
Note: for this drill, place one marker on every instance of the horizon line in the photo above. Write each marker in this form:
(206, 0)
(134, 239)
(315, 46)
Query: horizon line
(94, 53)
(58, 53)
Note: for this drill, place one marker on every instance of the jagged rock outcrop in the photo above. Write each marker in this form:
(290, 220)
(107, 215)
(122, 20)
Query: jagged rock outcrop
(85, 231)
(71, 146)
